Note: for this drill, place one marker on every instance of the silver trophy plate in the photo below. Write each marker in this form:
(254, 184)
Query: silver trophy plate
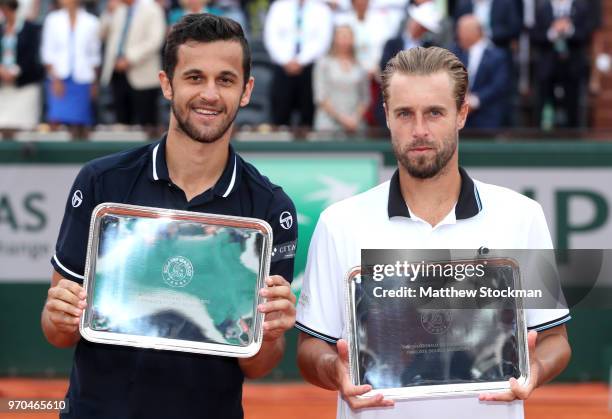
(175, 280)
(426, 347)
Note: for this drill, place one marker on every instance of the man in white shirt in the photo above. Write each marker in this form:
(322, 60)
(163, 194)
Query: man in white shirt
(429, 203)
(296, 34)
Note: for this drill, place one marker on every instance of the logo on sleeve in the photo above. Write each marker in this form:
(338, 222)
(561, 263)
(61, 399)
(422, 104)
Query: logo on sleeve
(77, 198)
(286, 220)
(284, 251)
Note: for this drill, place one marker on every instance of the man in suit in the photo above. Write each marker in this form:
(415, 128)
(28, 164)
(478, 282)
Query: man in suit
(489, 75)
(501, 22)
(500, 19)
(134, 32)
(560, 37)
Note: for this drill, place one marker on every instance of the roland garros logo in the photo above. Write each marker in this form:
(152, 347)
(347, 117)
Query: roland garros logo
(436, 322)
(177, 271)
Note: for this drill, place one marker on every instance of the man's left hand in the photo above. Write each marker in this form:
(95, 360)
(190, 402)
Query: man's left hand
(518, 391)
(279, 308)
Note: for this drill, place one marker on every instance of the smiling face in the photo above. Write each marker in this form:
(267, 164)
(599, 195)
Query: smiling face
(424, 121)
(207, 89)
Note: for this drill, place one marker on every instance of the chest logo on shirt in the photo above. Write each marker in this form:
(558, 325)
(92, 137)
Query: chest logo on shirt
(177, 271)
(77, 198)
(286, 220)
(436, 322)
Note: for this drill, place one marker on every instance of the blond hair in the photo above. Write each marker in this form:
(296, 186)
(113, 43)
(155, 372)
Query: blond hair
(423, 62)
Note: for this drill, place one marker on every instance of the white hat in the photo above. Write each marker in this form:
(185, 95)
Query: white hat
(427, 15)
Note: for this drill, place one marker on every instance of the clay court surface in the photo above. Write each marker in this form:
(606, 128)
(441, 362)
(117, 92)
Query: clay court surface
(302, 401)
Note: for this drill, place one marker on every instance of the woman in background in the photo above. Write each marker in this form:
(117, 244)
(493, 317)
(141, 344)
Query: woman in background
(340, 86)
(71, 55)
(20, 71)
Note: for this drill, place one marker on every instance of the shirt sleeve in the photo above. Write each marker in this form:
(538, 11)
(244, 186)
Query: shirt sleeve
(540, 319)
(278, 38)
(318, 34)
(321, 303)
(71, 247)
(282, 217)
(46, 47)
(319, 81)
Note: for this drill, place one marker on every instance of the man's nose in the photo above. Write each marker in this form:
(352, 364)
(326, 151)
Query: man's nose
(210, 92)
(420, 129)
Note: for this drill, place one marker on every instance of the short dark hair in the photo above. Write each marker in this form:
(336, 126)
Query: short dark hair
(204, 27)
(11, 4)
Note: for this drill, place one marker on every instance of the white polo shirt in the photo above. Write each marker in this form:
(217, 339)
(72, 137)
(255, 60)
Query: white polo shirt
(484, 215)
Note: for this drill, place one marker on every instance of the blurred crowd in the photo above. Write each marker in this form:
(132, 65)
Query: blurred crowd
(78, 64)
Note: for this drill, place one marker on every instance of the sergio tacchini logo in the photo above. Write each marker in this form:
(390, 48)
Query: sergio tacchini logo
(177, 271)
(77, 198)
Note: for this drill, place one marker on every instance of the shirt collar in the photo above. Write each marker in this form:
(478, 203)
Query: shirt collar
(468, 205)
(158, 170)
(479, 47)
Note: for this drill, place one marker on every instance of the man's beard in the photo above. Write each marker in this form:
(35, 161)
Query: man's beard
(202, 137)
(422, 167)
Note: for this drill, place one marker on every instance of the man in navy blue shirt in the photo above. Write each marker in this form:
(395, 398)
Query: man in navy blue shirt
(206, 76)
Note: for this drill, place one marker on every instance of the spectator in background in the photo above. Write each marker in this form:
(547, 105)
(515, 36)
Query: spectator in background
(235, 10)
(489, 76)
(296, 34)
(28, 10)
(600, 48)
(71, 54)
(371, 31)
(561, 36)
(134, 32)
(192, 6)
(20, 71)
(500, 20)
(445, 35)
(422, 21)
(340, 86)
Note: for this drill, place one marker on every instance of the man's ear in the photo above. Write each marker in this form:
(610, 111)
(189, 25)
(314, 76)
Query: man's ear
(462, 114)
(166, 84)
(246, 93)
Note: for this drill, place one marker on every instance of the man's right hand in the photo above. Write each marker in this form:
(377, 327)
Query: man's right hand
(347, 389)
(65, 305)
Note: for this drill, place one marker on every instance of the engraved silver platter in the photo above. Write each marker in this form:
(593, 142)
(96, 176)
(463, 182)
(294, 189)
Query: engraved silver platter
(175, 280)
(424, 347)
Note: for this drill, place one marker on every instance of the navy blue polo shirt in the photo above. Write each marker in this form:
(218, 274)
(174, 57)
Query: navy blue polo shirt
(120, 382)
